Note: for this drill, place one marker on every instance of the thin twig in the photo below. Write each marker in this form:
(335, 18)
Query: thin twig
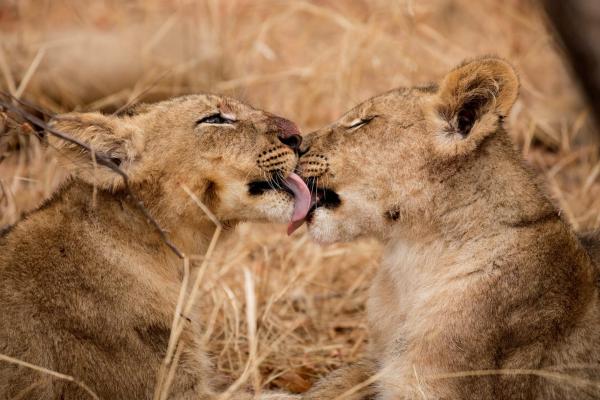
(29, 104)
(158, 390)
(29, 73)
(171, 374)
(551, 375)
(135, 98)
(163, 382)
(10, 81)
(250, 293)
(259, 360)
(364, 383)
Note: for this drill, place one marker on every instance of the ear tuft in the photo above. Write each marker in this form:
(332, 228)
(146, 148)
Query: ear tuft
(473, 99)
(488, 81)
(112, 137)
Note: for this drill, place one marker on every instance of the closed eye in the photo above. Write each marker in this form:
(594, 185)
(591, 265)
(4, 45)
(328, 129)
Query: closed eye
(357, 123)
(217, 119)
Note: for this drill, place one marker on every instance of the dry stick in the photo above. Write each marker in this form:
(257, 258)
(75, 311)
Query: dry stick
(234, 337)
(4, 193)
(100, 159)
(143, 92)
(364, 383)
(55, 374)
(566, 378)
(209, 252)
(250, 293)
(158, 390)
(191, 299)
(159, 34)
(419, 386)
(212, 321)
(10, 81)
(251, 363)
(240, 381)
(30, 71)
(29, 104)
(570, 379)
(171, 374)
(95, 188)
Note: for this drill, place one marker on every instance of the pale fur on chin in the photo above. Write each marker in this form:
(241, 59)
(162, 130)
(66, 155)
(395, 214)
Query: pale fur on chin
(276, 206)
(323, 228)
(328, 226)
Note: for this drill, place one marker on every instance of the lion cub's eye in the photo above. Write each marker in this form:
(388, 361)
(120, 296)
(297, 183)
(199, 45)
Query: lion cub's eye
(357, 123)
(215, 119)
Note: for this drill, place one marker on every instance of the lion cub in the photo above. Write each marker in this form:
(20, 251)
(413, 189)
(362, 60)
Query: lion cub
(88, 287)
(484, 291)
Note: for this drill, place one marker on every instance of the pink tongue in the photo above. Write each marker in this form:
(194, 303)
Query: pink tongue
(301, 201)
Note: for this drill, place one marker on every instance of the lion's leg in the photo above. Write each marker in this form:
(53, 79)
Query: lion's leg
(344, 381)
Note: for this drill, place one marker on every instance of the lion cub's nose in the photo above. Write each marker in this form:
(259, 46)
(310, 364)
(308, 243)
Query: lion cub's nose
(287, 133)
(292, 141)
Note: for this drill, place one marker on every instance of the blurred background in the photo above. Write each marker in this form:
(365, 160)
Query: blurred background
(308, 61)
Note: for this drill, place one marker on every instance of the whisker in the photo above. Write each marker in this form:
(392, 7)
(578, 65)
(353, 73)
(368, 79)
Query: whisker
(248, 174)
(271, 181)
(275, 179)
(279, 179)
(324, 192)
(268, 179)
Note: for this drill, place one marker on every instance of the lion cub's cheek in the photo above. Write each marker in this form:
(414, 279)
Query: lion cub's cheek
(275, 207)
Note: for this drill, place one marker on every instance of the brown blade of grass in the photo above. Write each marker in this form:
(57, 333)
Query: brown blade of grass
(8, 77)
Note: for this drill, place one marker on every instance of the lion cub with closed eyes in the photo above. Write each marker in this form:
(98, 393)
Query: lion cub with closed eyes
(88, 288)
(484, 292)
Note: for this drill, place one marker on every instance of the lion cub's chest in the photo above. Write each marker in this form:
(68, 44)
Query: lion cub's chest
(406, 289)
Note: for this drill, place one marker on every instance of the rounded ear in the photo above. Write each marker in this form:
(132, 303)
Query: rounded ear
(472, 101)
(112, 137)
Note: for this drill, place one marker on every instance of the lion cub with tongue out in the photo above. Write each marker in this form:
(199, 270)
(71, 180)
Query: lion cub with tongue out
(484, 291)
(88, 288)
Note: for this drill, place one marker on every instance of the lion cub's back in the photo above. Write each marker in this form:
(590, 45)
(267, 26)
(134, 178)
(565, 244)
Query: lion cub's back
(72, 303)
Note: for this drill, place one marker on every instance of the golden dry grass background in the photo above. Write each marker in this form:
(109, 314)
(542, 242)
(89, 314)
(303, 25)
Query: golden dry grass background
(308, 61)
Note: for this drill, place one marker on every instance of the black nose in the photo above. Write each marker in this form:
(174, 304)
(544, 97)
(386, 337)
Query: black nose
(293, 141)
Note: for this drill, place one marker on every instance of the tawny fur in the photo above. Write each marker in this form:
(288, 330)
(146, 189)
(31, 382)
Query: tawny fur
(484, 291)
(88, 288)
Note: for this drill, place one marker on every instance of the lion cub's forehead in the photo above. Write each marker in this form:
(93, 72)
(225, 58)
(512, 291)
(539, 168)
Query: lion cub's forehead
(198, 104)
(393, 102)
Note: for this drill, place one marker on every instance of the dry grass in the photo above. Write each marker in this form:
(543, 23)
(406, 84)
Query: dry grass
(308, 61)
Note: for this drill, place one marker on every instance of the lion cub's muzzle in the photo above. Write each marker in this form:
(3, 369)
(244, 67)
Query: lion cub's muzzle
(275, 159)
(313, 165)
